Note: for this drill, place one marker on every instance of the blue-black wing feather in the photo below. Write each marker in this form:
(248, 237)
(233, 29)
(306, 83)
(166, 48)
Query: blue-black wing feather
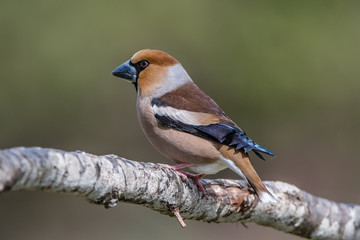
(219, 132)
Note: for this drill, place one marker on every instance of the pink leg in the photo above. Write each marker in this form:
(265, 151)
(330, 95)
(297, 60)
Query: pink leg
(177, 167)
(186, 175)
(196, 178)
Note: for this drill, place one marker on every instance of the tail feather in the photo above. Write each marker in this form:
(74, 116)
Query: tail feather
(262, 192)
(239, 162)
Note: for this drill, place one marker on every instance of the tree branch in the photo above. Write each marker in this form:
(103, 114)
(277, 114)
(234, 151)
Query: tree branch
(108, 179)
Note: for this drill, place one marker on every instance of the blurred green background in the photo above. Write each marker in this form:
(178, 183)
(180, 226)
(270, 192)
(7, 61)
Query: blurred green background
(287, 72)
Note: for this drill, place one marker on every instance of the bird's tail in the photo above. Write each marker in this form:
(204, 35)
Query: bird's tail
(262, 192)
(239, 162)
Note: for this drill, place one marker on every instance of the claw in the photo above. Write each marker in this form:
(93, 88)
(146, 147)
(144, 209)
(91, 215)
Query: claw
(196, 178)
(185, 175)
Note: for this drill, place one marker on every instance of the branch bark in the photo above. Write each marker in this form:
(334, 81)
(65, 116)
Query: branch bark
(108, 179)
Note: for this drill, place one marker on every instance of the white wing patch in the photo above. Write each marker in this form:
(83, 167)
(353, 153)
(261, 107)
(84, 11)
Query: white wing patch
(184, 116)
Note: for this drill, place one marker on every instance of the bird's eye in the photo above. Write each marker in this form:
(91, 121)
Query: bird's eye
(143, 64)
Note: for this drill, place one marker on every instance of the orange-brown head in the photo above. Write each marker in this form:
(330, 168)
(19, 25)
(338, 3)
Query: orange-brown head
(152, 72)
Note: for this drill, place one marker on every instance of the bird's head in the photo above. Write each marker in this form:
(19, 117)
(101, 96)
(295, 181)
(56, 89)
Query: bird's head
(153, 72)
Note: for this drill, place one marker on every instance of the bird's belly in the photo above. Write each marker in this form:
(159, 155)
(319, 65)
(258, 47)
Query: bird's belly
(183, 147)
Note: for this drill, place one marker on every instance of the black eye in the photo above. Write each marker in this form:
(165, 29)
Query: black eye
(143, 64)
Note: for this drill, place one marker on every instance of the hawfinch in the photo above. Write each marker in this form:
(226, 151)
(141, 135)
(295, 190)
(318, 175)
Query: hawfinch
(185, 124)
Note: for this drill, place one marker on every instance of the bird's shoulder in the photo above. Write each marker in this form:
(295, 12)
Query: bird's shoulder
(190, 97)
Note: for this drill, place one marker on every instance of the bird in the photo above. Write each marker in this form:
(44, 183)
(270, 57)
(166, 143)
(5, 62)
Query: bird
(185, 124)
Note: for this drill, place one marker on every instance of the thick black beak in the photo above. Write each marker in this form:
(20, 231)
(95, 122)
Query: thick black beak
(126, 71)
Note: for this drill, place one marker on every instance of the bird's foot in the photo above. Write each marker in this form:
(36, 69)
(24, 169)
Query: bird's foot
(195, 177)
(185, 175)
(177, 168)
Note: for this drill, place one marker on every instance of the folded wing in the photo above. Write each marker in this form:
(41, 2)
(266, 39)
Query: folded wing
(214, 126)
